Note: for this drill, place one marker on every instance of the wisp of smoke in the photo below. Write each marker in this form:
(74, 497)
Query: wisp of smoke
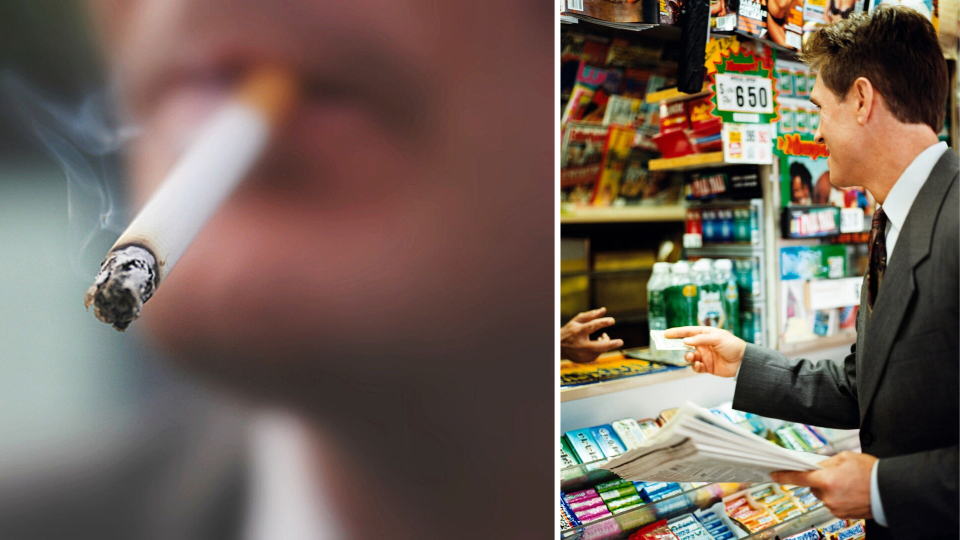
(85, 140)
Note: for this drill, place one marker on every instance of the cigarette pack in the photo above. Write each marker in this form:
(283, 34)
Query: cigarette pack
(629, 432)
(584, 445)
(567, 456)
(568, 519)
(687, 527)
(811, 534)
(620, 503)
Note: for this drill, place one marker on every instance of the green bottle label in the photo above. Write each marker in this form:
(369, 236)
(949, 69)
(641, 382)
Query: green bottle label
(710, 307)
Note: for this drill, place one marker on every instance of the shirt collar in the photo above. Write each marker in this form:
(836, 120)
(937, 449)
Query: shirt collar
(901, 196)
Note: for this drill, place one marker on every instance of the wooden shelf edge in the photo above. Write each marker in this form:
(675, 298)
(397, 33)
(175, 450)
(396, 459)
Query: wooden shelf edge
(687, 162)
(625, 214)
(619, 385)
(672, 94)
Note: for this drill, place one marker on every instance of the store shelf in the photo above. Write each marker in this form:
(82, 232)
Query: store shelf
(619, 385)
(685, 163)
(672, 94)
(726, 250)
(837, 340)
(625, 214)
(621, 524)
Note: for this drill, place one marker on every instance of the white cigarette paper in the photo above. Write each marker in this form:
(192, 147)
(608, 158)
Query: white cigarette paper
(226, 148)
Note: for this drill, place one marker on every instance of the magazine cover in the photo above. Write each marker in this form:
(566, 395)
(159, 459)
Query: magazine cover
(616, 11)
(590, 94)
(785, 23)
(581, 158)
(615, 154)
(752, 18)
(639, 185)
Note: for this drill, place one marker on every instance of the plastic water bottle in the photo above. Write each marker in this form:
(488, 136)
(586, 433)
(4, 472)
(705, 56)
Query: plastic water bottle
(723, 275)
(681, 297)
(709, 303)
(656, 304)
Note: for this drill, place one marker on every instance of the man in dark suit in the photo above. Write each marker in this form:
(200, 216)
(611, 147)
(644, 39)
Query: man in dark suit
(881, 88)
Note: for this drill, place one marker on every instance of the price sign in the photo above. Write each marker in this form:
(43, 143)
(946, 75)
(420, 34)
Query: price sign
(851, 220)
(744, 94)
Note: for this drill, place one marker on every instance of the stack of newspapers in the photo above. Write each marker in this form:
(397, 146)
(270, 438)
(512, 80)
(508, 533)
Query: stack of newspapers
(696, 446)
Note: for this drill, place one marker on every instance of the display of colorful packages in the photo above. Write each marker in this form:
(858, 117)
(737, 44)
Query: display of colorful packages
(585, 445)
(853, 532)
(629, 432)
(567, 456)
(715, 526)
(568, 519)
(608, 440)
(655, 531)
(687, 528)
(810, 534)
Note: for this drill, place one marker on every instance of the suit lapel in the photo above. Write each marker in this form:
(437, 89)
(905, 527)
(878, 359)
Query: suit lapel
(898, 287)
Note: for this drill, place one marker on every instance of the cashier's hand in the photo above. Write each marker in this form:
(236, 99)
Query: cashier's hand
(843, 484)
(575, 343)
(718, 351)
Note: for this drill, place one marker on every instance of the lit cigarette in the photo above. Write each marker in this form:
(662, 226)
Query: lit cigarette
(226, 148)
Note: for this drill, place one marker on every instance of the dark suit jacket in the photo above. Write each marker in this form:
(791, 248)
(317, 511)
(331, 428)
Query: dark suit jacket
(899, 385)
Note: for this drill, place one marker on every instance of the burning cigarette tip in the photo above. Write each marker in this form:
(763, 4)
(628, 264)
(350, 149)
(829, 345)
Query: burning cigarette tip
(128, 277)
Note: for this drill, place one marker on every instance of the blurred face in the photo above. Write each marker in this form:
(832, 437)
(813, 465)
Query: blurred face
(353, 238)
(841, 132)
(800, 194)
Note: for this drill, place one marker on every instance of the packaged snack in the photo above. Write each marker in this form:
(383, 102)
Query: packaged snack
(585, 504)
(832, 526)
(568, 519)
(764, 491)
(616, 493)
(629, 432)
(579, 495)
(613, 484)
(687, 527)
(655, 531)
(593, 514)
(649, 427)
(854, 532)
(609, 441)
(567, 457)
(811, 534)
(584, 445)
(624, 502)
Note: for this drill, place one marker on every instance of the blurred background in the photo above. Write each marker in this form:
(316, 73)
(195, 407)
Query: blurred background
(65, 378)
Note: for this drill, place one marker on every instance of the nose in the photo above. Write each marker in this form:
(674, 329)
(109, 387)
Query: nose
(818, 136)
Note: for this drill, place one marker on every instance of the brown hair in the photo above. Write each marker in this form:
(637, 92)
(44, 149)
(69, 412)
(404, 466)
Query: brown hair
(897, 50)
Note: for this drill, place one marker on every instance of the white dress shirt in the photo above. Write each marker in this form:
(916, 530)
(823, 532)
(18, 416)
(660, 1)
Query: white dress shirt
(287, 500)
(896, 207)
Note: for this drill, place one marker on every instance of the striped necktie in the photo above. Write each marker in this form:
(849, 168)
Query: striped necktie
(878, 256)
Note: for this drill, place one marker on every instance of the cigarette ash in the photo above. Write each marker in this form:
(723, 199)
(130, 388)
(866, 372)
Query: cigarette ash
(128, 277)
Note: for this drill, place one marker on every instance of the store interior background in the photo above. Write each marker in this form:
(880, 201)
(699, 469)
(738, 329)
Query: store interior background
(607, 254)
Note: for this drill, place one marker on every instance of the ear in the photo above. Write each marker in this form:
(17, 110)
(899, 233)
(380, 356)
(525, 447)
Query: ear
(865, 99)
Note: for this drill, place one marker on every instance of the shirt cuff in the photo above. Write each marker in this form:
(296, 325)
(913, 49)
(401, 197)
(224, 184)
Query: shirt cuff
(876, 507)
(737, 374)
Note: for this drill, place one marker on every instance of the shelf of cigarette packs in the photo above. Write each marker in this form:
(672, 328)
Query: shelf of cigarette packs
(595, 503)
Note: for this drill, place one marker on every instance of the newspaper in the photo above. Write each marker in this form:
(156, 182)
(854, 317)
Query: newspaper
(696, 446)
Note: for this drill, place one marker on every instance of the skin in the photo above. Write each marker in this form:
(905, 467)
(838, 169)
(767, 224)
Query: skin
(868, 146)
(842, 5)
(575, 342)
(368, 265)
(800, 193)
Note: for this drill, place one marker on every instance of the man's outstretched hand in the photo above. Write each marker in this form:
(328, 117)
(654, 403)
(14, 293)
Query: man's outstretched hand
(718, 351)
(575, 343)
(843, 484)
